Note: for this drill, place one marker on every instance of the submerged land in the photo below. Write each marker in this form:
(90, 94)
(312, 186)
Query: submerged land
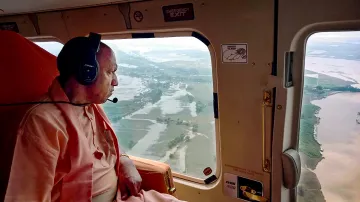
(329, 129)
(311, 151)
(165, 112)
(165, 109)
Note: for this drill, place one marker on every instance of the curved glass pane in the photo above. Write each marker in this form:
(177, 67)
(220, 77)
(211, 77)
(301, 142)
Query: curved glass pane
(330, 119)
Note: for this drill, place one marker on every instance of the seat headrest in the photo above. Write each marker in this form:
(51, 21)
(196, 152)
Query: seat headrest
(26, 70)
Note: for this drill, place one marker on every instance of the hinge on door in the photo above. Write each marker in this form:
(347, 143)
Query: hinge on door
(289, 64)
(267, 102)
(267, 99)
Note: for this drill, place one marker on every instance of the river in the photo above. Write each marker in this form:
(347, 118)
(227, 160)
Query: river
(339, 135)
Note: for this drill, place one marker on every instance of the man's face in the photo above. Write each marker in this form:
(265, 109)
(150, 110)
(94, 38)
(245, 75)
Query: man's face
(103, 87)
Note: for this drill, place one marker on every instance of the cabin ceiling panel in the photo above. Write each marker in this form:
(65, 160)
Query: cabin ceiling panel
(52, 24)
(10, 7)
(101, 19)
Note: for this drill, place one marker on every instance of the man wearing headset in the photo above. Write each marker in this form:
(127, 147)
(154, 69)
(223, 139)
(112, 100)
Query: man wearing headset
(69, 152)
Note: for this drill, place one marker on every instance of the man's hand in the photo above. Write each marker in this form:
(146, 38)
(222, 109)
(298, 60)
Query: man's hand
(130, 179)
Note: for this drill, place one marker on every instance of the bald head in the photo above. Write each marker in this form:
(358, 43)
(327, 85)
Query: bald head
(105, 52)
(106, 58)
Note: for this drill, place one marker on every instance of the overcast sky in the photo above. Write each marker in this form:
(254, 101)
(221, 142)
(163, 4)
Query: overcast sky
(169, 43)
(345, 36)
(181, 43)
(142, 45)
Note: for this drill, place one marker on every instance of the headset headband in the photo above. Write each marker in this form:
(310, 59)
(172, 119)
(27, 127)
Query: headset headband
(95, 40)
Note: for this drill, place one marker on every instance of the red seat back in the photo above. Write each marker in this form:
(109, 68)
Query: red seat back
(26, 72)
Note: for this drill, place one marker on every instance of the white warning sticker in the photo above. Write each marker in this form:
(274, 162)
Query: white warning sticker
(243, 188)
(235, 53)
(230, 185)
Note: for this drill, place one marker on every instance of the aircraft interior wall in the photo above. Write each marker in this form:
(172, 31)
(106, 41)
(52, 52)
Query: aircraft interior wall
(248, 133)
(300, 18)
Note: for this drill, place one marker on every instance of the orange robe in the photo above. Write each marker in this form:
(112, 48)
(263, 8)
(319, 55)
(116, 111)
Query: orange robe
(52, 157)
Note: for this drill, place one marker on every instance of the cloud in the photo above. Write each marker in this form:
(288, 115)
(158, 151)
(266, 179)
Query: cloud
(340, 36)
(168, 43)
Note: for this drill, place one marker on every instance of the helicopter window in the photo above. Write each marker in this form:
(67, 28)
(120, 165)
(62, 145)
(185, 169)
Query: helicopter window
(165, 108)
(330, 118)
(52, 47)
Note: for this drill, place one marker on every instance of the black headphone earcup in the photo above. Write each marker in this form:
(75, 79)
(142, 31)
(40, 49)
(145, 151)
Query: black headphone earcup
(78, 58)
(88, 71)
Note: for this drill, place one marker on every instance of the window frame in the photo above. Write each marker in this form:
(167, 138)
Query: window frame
(180, 178)
(179, 33)
(298, 46)
(294, 94)
(44, 39)
(36, 39)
